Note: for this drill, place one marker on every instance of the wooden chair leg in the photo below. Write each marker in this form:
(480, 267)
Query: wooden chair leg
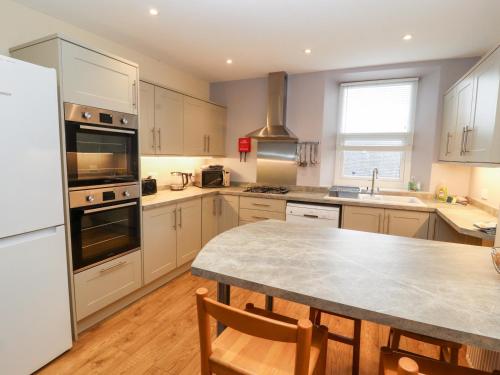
(454, 356)
(356, 347)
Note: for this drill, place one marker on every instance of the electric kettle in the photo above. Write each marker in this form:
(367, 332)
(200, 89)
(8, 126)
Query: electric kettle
(182, 180)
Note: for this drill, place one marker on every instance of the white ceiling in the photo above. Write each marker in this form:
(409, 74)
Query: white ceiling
(269, 35)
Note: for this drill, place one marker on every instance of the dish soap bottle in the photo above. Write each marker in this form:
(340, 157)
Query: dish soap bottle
(412, 184)
(441, 193)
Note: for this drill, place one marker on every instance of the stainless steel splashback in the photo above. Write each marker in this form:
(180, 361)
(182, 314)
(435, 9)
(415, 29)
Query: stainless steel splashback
(276, 163)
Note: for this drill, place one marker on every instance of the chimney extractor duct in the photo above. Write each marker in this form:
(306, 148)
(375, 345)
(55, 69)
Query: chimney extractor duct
(276, 129)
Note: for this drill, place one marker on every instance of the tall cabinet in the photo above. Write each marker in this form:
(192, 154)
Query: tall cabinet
(471, 115)
(175, 124)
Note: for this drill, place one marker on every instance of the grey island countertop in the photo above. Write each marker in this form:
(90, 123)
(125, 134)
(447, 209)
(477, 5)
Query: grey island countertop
(445, 290)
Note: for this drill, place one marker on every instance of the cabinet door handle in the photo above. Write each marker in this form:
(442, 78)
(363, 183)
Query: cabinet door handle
(220, 207)
(154, 138)
(175, 219)
(113, 267)
(448, 143)
(466, 142)
(134, 94)
(208, 143)
(180, 217)
(214, 209)
(462, 142)
(260, 217)
(159, 139)
(388, 223)
(380, 220)
(261, 204)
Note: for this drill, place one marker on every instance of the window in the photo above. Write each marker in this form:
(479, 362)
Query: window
(375, 131)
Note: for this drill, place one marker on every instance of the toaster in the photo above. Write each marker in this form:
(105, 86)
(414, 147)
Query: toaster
(149, 186)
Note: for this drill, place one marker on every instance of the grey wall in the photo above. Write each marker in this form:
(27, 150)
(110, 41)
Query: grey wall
(312, 113)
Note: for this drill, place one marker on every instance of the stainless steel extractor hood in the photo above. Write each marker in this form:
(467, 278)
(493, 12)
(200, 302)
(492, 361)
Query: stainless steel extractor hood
(276, 129)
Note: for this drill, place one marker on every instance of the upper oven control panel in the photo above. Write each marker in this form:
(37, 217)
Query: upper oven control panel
(98, 116)
(92, 197)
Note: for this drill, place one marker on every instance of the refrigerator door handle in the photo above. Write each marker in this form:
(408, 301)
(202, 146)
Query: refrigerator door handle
(27, 237)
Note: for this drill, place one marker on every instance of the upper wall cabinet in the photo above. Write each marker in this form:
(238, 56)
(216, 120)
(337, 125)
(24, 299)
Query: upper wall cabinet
(96, 80)
(175, 124)
(86, 76)
(471, 115)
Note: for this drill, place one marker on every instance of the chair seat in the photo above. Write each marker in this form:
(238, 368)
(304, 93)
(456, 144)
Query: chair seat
(261, 356)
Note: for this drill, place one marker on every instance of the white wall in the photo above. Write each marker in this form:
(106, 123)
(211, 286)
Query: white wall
(313, 110)
(161, 166)
(20, 24)
(485, 186)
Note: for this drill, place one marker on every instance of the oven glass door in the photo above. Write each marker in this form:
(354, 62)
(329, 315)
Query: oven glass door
(104, 231)
(98, 155)
(212, 178)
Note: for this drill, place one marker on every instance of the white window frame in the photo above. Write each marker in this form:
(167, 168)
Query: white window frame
(406, 149)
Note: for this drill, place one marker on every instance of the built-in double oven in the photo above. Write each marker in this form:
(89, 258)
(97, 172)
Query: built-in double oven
(103, 180)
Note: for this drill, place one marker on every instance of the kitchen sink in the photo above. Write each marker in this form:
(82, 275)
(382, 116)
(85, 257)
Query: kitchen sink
(385, 199)
(391, 199)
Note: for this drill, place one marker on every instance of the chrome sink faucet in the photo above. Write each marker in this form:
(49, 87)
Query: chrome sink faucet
(374, 176)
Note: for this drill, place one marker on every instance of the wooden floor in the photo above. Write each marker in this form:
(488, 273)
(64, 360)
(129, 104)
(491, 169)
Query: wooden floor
(159, 335)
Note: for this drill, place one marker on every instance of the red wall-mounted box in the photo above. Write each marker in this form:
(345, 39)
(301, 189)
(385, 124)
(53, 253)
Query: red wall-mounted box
(244, 144)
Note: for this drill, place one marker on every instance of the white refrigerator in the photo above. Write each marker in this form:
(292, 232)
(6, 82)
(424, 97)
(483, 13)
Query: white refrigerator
(35, 325)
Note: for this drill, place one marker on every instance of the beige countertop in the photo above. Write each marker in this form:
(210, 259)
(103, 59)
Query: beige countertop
(461, 218)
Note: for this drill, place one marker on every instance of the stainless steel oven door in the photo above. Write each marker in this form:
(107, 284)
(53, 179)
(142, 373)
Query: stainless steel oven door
(104, 231)
(101, 147)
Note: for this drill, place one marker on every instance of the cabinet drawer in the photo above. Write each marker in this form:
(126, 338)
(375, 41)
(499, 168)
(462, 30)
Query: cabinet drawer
(265, 204)
(251, 216)
(106, 283)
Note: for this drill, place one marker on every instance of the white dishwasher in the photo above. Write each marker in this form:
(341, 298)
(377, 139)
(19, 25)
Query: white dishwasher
(314, 214)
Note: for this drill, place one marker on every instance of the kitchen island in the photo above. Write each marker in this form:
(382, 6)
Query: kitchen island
(448, 291)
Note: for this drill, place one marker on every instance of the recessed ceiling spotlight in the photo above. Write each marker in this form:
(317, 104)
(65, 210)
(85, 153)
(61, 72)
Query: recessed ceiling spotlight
(408, 37)
(307, 51)
(153, 11)
(229, 61)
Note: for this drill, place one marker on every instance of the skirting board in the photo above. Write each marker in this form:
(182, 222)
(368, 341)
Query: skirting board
(100, 315)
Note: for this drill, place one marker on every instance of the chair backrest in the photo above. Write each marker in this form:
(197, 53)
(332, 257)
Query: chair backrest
(253, 325)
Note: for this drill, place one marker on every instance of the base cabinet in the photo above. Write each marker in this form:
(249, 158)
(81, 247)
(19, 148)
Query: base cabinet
(387, 221)
(406, 223)
(106, 283)
(188, 230)
(365, 219)
(219, 213)
(172, 237)
(160, 242)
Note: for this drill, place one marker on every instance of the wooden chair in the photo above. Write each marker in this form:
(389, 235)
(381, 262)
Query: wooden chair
(354, 341)
(448, 350)
(393, 362)
(258, 344)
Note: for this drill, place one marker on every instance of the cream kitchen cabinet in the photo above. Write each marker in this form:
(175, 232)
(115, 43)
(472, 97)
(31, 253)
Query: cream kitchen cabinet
(482, 135)
(365, 219)
(195, 126)
(172, 237)
(471, 115)
(161, 120)
(86, 75)
(188, 230)
(204, 128)
(160, 242)
(404, 223)
(93, 79)
(169, 118)
(219, 213)
(106, 283)
(147, 130)
(216, 130)
(209, 218)
(450, 149)
(254, 209)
